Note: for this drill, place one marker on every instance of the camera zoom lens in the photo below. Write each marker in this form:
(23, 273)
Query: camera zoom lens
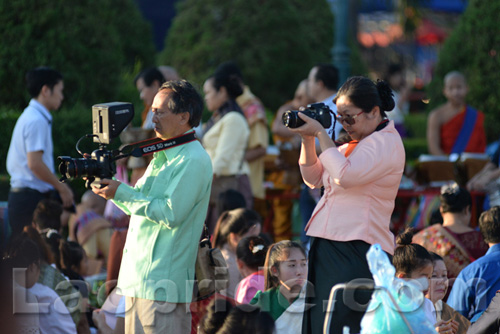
(291, 119)
(286, 119)
(76, 168)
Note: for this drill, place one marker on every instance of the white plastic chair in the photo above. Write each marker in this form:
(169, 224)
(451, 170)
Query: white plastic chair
(362, 285)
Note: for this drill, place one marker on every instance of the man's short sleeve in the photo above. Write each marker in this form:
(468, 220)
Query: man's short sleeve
(259, 135)
(35, 135)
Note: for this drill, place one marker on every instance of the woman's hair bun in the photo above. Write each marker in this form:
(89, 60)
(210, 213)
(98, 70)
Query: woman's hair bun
(405, 238)
(450, 189)
(386, 95)
(454, 198)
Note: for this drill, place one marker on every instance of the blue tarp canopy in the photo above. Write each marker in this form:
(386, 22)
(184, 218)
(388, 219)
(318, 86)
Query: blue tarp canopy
(368, 6)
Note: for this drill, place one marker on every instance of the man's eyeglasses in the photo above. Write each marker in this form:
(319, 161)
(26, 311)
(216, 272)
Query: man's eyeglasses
(348, 119)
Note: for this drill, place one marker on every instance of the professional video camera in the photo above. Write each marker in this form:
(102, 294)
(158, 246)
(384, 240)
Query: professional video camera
(108, 121)
(318, 111)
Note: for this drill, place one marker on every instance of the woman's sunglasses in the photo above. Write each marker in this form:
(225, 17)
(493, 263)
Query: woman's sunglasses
(348, 119)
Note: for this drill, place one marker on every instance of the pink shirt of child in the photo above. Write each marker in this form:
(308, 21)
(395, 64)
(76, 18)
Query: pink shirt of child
(248, 287)
(359, 190)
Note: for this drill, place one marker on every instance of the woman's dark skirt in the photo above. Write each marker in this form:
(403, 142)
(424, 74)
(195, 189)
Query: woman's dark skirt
(331, 263)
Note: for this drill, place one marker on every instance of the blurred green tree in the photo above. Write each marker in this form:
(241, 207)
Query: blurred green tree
(91, 42)
(275, 43)
(474, 49)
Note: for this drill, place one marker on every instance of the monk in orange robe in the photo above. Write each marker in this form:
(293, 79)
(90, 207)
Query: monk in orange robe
(455, 127)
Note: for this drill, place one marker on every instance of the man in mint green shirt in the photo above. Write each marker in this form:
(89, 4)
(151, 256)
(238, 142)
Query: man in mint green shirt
(168, 207)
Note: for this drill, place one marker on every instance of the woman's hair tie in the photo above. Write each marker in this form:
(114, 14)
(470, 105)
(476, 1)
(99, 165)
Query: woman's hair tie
(257, 248)
(450, 189)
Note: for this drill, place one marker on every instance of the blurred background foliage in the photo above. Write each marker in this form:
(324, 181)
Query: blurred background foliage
(92, 43)
(275, 46)
(474, 49)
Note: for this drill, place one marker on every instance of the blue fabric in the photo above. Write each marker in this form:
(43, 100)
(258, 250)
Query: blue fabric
(495, 159)
(466, 131)
(307, 205)
(476, 285)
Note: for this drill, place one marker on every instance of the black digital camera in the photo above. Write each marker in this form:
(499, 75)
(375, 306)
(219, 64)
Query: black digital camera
(108, 121)
(318, 111)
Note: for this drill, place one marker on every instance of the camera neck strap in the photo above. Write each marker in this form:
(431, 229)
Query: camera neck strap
(153, 145)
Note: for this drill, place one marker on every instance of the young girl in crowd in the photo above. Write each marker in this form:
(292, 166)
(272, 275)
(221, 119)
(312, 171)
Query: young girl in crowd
(413, 262)
(436, 293)
(53, 316)
(53, 279)
(73, 260)
(74, 264)
(231, 227)
(285, 277)
(47, 221)
(251, 256)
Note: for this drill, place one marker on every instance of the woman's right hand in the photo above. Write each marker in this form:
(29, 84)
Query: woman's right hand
(446, 326)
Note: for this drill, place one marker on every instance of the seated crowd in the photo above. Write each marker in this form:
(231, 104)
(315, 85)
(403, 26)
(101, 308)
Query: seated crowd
(266, 280)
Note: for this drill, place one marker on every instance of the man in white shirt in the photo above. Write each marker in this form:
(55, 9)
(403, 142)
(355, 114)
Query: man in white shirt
(322, 84)
(30, 160)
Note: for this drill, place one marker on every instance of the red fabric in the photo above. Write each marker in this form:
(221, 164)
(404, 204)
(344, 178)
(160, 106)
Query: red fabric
(350, 147)
(474, 243)
(451, 129)
(116, 245)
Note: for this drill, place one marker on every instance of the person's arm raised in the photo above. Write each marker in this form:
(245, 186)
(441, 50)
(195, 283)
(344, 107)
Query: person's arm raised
(309, 131)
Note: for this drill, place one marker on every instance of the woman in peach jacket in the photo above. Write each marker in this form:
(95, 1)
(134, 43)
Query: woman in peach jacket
(360, 180)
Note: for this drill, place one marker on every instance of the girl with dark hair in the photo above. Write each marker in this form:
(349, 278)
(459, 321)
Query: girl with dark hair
(231, 227)
(225, 138)
(361, 180)
(285, 279)
(437, 291)
(47, 221)
(74, 264)
(54, 318)
(251, 256)
(455, 240)
(23, 253)
(413, 262)
(74, 260)
(51, 279)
